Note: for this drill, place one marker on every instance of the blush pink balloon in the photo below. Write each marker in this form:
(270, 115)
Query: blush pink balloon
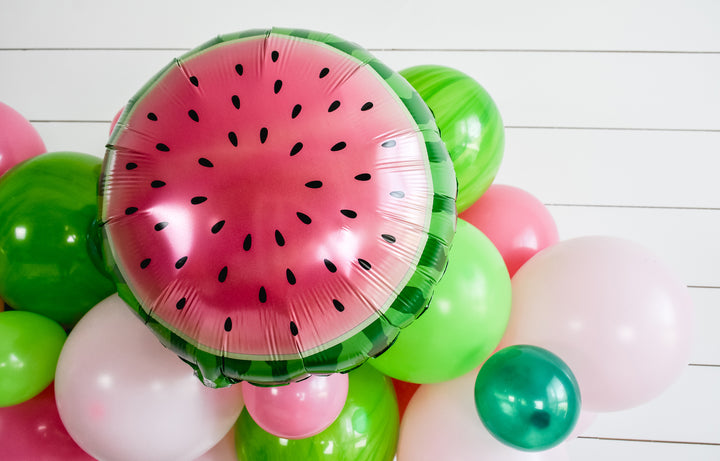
(612, 311)
(115, 119)
(224, 450)
(123, 396)
(18, 139)
(300, 409)
(33, 430)
(516, 222)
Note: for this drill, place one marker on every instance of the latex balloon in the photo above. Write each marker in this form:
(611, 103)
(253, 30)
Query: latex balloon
(517, 223)
(527, 398)
(465, 320)
(470, 126)
(613, 312)
(123, 396)
(115, 119)
(223, 451)
(48, 206)
(297, 410)
(404, 392)
(29, 349)
(32, 430)
(366, 429)
(271, 217)
(442, 423)
(19, 140)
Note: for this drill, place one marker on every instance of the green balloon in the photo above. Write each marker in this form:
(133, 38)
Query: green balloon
(30, 345)
(465, 320)
(48, 208)
(527, 397)
(366, 430)
(470, 125)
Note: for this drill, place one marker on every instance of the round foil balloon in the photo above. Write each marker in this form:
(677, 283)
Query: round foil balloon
(277, 203)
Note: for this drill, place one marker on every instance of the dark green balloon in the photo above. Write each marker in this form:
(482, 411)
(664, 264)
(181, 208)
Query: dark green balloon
(527, 397)
(48, 208)
(366, 430)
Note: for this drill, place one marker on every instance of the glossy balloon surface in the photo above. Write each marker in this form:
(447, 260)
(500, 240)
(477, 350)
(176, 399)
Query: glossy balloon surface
(19, 140)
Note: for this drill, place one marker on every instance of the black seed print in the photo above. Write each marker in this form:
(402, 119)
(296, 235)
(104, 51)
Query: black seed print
(130, 210)
(367, 106)
(181, 303)
(222, 276)
(193, 115)
(363, 177)
(130, 166)
(263, 135)
(339, 146)
(144, 263)
(389, 238)
(330, 266)
(157, 184)
(194, 80)
(247, 243)
(397, 194)
(296, 148)
(290, 277)
(279, 239)
(152, 116)
(324, 72)
(162, 147)
(349, 213)
(205, 162)
(364, 264)
(338, 305)
(277, 86)
(228, 324)
(161, 225)
(296, 110)
(303, 217)
(294, 329)
(390, 143)
(217, 226)
(236, 101)
(233, 138)
(274, 56)
(314, 184)
(239, 69)
(198, 200)
(262, 295)
(180, 262)
(335, 104)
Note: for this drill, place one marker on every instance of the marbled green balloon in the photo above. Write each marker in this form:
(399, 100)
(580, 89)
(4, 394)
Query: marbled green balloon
(48, 208)
(366, 430)
(527, 397)
(470, 125)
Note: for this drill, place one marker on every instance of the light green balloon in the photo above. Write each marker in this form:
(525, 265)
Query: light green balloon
(465, 321)
(30, 345)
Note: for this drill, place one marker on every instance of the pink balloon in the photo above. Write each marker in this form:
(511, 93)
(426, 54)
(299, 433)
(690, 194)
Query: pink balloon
(123, 396)
(224, 450)
(18, 139)
(300, 409)
(33, 430)
(612, 311)
(516, 222)
(441, 423)
(116, 118)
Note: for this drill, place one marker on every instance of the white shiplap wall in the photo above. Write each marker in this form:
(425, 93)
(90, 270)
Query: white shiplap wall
(612, 111)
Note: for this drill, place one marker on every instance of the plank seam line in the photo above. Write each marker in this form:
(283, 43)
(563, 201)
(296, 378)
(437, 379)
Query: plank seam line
(649, 207)
(707, 365)
(620, 439)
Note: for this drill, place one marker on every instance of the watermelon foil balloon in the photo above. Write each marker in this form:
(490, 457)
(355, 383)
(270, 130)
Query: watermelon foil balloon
(275, 204)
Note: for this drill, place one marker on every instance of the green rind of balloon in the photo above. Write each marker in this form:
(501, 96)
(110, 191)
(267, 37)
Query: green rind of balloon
(366, 429)
(410, 301)
(457, 100)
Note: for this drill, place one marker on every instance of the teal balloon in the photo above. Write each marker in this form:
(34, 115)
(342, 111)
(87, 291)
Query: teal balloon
(527, 398)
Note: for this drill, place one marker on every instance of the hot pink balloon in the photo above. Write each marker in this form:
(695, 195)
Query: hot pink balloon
(123, 396)
(33, 430)
(612, 311)
(18, 139)
(300, 409)
(516, 222)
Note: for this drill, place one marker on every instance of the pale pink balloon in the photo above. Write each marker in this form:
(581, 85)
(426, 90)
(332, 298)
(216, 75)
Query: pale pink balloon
(516, 222)
(123, 396)
(441, 423)
(115, 119)
(297, 410)
(18, 139)
(224, 450)
(612, 311)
